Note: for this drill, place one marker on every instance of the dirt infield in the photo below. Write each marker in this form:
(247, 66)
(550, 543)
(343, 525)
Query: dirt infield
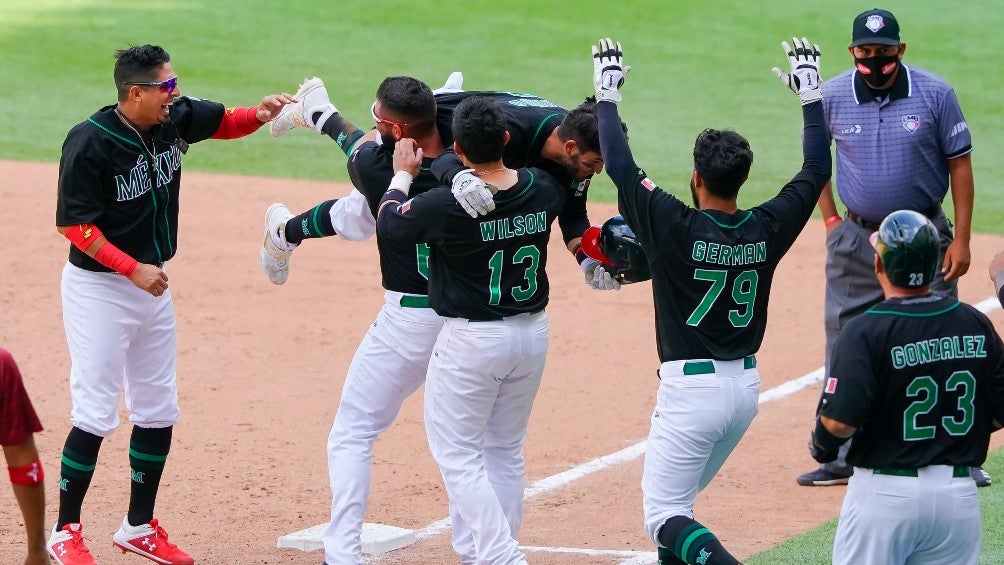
(260, 371)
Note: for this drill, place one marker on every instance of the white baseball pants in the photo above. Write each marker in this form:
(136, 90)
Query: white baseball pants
(482, 380)
(118, 334)
(698, 421)
(931, 518)
(388, 366)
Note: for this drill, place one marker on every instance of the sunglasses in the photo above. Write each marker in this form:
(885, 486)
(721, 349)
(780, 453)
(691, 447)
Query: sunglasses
(380, 120)
(165, 85)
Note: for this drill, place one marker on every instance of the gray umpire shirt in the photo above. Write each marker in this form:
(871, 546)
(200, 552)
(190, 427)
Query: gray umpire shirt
(893, 153)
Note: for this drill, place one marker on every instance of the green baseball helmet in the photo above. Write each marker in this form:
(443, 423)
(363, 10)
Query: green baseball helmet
(909, 245)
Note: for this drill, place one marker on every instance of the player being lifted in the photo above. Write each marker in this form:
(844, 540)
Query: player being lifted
(542, 134)
(918, 381)
(712, 268)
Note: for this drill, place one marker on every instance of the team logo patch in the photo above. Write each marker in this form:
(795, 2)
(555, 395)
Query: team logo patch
(911, 123)
(831, 385)
(647, 183)
(582, 186)
(875, 23)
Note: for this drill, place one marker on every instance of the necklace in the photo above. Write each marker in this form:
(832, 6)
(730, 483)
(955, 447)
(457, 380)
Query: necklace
(131, 126)
(498, 170)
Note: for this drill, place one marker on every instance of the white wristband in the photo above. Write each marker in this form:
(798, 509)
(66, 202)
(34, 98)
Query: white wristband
(401, 181)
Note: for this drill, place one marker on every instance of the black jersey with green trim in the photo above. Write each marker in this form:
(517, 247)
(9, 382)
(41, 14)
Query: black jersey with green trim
(487, 268)
(921, 378)
(127, 182)
(403, 267)
(711, 270)
(530, 120)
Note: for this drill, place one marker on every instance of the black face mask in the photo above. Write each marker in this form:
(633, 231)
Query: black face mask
(876, 70)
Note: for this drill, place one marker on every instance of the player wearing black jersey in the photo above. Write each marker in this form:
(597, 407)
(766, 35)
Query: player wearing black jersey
(487, 277)
(117, 203)
(712, 268)
(918, 381)
(543, 134)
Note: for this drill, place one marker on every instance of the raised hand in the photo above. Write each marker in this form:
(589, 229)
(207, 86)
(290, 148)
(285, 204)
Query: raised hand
(608, 70)
(803, 80)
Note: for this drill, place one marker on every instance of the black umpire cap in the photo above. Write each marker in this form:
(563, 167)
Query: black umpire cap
(875, 27)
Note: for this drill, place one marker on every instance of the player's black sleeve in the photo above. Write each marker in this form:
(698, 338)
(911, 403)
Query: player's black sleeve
(613, 141)
(852, 369)
(446, 166)
(196, 119)
(80, 197)
(417, 220)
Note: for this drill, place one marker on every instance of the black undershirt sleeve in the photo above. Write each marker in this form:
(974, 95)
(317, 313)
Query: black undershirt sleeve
(614, 147)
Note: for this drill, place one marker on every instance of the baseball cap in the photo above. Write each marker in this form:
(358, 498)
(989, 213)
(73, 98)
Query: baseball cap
(875, 27)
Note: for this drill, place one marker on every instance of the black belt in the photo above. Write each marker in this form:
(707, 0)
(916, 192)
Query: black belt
(958, 471)
(931, 213)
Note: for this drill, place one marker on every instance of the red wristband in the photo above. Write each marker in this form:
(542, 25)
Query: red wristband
(30, 475)
(831, 219)
(237, 122)
(115, 259)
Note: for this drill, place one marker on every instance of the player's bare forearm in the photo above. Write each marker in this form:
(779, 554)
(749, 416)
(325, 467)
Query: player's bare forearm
(837, 427)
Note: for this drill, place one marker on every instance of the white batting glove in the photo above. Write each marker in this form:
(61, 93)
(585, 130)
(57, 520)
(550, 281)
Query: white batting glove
(454, 83)
(608, 70)
(803, 79)
(472, 193)
(597, 277)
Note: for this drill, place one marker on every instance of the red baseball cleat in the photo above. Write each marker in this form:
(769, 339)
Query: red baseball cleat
(150, 541)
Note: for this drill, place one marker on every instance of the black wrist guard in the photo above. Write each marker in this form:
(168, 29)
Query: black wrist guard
(823, 446)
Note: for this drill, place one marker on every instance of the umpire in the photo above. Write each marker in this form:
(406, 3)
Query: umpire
(901, 140)
(918, 380)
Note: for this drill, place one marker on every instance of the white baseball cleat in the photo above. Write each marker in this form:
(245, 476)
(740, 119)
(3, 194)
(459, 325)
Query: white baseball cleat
(275, 250)
(311, 98)
(454, 83)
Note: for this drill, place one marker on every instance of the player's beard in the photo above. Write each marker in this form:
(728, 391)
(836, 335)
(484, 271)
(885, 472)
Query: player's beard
(388, 141)
(693, 194)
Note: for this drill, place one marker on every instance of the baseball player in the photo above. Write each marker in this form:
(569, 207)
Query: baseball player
(18, 426)
(712, 269)
(901, 141)
(119, 179)
(487, 278)
(390, 363)
(918, 381)
(543, 134)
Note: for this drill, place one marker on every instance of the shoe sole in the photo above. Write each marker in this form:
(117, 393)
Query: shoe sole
(314, 83)
(263, 254)
(827, 483)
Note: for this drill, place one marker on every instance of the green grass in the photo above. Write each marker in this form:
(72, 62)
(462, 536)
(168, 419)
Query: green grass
(816, 546)
(695, 65)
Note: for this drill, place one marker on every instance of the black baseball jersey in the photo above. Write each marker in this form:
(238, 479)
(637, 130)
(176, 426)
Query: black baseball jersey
(127, 183)
(921, 378)
(486, 268)
(403, 266)
(712, 271)
(530, 120)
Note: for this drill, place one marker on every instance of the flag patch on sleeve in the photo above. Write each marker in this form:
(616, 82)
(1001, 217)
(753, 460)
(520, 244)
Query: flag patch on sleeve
(831, 385)
(647, 183)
